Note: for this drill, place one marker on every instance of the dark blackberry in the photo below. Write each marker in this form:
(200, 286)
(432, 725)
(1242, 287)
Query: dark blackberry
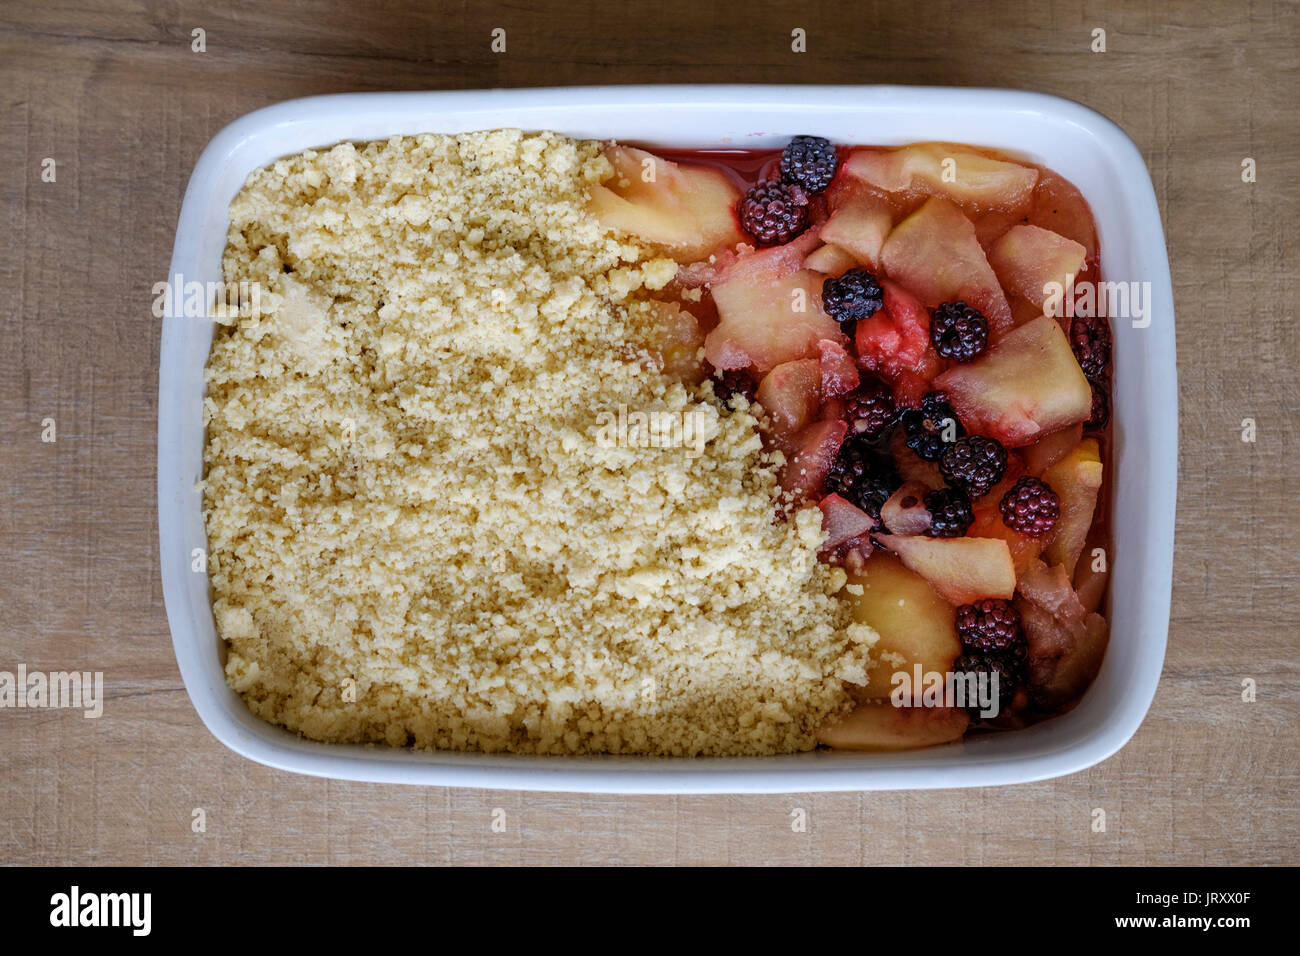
(950, 513)
(1100, 414)
(870, 408)
(774, 212)
(861, 476)
(731, 382)
(1030, 507)
(809, 162)
(974, 463)
(854, 296)
(926, 427)
(1009, 667)
(958, 332)
(989, 625)
(1090, 339)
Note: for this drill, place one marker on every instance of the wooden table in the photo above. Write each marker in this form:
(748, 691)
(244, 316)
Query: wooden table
(116, 96)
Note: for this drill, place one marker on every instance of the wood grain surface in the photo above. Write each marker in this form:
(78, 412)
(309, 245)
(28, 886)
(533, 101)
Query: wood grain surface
(115, 95)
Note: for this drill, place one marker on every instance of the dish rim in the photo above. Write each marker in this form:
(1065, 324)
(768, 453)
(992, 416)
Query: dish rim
(972, 762)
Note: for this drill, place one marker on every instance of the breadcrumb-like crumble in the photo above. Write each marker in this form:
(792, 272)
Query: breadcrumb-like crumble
(416, 534)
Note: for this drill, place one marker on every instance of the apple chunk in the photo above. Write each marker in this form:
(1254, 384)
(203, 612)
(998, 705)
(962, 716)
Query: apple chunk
(1050, 449)
(675, 339)
(1057, 205)
(941, 169)
(813, 451)
(934, 253)
(842, 521)
(688, 210)
(791, 395)
(1027, 385)
(765, 320)
(1076, 478)
(1091, 574)
(860, 226)
(830, 260)
(1062, 662)
(839, 370)
(914, 622)
(1028, 259)
(905, 512)
(961, 570)
(878, 725)
(1066, 641)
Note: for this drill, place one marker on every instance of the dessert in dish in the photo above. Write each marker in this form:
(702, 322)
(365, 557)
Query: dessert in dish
(558, 446)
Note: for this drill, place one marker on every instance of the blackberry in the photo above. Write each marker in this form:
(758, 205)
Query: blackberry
(925, 427)
(809, 162)
(1030, 507)
(870, 408)
(989, 625)
(974, 463)
(1090, 339)
(950, 513)
(774, 212)
(731, 382)
(1009, 667)
(854, 296)
(861, 476)
(1100, 405)
(958, 332)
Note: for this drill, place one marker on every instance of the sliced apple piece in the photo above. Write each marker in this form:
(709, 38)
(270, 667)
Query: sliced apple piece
(1076, 479)
(859, 225)
(941, 169)
(1091, 575)
(758, 267)
(765, 320)
(688, 210)
(813, 452)
(905, 512)
(1050, 449)
(1050, 588)
(1024, 387)
(1058, 205)
(961, 570)
(676, 339)
(839, 371)
(1027, 259)
(915, 624)
(830, 259)
(1062, 665)
(934, 253)
(842, 521)
(878, 725)
(992, 225)
(791, 395)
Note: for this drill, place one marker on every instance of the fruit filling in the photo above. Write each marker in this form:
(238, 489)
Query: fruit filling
(888, 311)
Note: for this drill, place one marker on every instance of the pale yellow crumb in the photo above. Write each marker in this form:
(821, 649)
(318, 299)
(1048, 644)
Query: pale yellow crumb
(416, 537)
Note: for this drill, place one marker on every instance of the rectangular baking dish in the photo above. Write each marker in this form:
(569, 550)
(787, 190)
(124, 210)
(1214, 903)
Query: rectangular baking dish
(1076, 142)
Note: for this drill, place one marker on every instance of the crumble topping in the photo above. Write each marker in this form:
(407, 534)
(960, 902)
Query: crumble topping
(418, 535)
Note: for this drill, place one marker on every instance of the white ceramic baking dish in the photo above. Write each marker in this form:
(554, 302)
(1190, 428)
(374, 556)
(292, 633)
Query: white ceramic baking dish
(1083, 146)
